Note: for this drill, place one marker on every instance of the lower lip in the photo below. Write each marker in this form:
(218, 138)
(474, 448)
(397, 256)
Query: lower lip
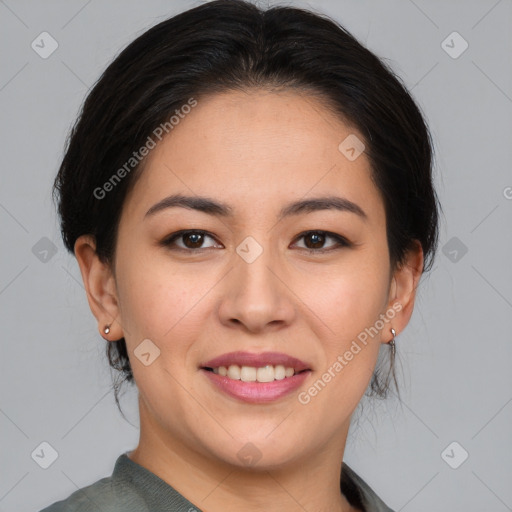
(257, 392)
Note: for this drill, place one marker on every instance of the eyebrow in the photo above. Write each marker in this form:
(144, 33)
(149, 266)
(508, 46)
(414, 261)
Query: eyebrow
(219, 209)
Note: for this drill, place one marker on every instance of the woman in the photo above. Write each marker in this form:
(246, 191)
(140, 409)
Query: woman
(249, 197)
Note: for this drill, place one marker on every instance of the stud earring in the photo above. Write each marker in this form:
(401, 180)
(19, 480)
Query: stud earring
(106, 330)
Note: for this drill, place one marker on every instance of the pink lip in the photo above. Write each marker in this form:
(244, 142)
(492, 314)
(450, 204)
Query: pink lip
(257, 360)
(257, 392)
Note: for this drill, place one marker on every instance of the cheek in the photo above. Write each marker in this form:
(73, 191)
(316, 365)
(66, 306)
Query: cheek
(162, 304)
(350, 299)
(349, 304)
(170, 309)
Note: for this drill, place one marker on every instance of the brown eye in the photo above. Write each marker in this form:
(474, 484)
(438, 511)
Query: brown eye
(193, 240)
(314, 241)
(190, 240)
(317, 240)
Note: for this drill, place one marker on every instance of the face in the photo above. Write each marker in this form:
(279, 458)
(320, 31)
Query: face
(257, 276)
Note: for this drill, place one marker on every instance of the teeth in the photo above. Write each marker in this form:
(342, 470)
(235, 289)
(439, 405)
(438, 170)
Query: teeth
(279, 372)
(267, 373)
(234, 372)
(248, 374)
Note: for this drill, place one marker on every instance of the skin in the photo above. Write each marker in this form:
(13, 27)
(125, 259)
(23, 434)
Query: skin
(256, 151)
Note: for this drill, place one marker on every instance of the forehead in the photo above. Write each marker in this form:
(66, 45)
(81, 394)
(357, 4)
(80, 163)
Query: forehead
(257, 148)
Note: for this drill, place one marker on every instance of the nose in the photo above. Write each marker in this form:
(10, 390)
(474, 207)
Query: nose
(256, 296)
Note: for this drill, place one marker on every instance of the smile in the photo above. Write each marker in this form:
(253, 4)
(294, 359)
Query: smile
(256, 378)
(267, 373)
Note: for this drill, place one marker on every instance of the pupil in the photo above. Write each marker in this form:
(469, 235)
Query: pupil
(196, 239)
(317, 239)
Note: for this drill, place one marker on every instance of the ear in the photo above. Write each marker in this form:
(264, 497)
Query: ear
(402, 292)
(100, 287)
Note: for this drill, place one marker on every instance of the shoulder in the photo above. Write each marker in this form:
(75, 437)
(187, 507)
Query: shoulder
(95, 496)
(109, 494)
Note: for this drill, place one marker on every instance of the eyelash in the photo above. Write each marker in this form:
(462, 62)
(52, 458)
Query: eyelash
(340, 241)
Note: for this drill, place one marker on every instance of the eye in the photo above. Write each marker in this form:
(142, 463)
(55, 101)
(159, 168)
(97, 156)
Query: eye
(191, 240)
(315, 240)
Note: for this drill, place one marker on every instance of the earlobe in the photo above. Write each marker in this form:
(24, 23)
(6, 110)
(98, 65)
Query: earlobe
(100, 287)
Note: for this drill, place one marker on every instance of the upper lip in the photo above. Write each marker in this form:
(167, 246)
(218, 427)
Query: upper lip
(257, 360)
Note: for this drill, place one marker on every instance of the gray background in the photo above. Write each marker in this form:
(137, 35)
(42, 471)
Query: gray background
(456, 353)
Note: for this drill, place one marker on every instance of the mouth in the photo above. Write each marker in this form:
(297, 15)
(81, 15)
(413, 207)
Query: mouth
(256, 378)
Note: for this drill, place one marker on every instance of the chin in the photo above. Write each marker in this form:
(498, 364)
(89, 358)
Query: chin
(258, 452)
